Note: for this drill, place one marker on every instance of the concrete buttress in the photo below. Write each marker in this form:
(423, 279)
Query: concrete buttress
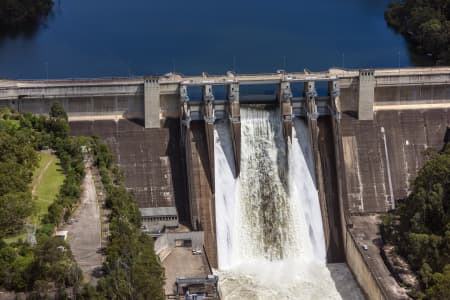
(234, 113)
(209, 117)
(312, 116)
(285, 100)
(151, 103)
(366, 95)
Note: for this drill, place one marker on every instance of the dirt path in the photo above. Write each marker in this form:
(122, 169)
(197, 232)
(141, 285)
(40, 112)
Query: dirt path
(37, 180)
(85, 231)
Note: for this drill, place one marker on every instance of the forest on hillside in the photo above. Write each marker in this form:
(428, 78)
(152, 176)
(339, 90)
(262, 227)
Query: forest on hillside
(425, 24)
(131, 269)
(420, 227)
(40, 266)
(15, 14)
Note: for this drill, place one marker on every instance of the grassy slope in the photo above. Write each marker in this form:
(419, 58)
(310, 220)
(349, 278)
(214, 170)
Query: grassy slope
(47, 179)
(46, 184)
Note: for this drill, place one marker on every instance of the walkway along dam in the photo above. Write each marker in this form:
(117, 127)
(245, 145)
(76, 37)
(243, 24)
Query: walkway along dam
(358, 135)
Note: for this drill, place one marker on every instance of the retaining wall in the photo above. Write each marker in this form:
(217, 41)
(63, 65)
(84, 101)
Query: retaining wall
(363, 274)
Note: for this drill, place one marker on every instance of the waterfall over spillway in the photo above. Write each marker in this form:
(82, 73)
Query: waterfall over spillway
(270, 238)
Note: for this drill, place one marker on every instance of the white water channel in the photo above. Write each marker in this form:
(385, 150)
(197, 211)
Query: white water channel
(270, 238)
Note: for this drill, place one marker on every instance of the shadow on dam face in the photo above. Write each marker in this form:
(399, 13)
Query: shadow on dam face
(333, 227)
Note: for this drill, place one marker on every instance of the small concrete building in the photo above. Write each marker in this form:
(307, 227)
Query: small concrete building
(155, 219)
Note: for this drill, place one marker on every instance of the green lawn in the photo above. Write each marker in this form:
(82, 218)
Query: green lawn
(46, 184)
(47, 179)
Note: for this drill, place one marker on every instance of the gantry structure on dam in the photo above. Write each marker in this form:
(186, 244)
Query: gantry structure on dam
(157, 97)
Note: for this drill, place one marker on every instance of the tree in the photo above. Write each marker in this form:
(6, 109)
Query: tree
(14, 207)
(420, 226)
(49, 264)
(426, 274)
(13, 177)
(132, 267)
(57, 111)
(16, 14)
(54, 263)
(425, 24)
(441, 286)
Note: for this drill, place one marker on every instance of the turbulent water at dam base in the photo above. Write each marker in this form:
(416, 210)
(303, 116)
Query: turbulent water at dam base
(269, 227)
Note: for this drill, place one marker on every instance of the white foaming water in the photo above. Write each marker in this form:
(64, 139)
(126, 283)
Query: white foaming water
(270, 238)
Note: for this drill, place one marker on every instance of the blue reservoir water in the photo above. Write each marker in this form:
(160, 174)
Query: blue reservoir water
(103, 38)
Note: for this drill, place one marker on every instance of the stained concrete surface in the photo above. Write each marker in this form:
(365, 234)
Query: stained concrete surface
(408, 133)
(150, 158)
(394, 95)
(84, 234)
(381, 159)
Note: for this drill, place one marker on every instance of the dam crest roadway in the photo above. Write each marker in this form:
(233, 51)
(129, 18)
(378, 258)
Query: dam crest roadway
(367, 129)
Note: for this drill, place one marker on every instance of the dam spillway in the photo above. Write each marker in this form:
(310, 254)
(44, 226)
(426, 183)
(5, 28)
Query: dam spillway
(269, 228)
(367, 134)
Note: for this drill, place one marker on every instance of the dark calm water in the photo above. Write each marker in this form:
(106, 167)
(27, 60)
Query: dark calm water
(85, 38)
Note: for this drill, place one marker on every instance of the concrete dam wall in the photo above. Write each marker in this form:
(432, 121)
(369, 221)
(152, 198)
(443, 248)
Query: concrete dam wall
(80, 98)
(368, 134)
(150, 158)
(379, 160)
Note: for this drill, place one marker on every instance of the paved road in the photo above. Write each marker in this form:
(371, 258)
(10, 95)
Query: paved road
(85, 232)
